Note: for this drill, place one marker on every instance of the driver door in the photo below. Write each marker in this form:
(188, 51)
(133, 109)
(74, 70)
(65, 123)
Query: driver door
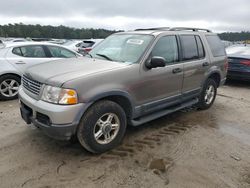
(162, 86)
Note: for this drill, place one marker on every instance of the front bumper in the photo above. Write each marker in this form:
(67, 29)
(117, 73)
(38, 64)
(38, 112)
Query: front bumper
(57, 121)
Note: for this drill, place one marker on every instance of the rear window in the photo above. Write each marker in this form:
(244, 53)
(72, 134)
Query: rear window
(216, 45)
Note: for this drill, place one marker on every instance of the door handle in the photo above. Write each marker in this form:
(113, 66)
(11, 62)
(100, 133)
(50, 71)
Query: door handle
(20, 63)
(177, 70)
(205, 64)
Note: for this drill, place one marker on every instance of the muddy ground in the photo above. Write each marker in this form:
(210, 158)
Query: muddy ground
(186, 149)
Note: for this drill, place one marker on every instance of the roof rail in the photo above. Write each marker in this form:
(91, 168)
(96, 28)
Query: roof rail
(154, 28)
(189, 28)
(175, 29)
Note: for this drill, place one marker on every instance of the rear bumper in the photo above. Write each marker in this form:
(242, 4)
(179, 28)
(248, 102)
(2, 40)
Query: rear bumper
(57, 121)
(238, 75)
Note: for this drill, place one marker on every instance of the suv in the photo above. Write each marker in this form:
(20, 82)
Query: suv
(130, 78)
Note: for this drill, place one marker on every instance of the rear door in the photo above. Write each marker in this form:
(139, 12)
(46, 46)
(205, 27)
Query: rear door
(162, 86)
(24, 56)
(195, 63)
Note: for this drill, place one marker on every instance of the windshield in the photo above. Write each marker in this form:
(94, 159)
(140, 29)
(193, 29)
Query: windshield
(122, 47)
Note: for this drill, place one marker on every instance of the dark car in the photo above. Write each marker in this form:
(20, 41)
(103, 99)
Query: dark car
(239, 62)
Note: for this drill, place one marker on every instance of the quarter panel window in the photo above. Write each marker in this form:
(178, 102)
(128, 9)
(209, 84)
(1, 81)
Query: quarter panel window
(189, 47)
(17, 51)
(216, 45)
(166, 47)
(60, 52)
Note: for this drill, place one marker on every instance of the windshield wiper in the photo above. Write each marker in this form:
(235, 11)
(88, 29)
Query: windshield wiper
(105, 56)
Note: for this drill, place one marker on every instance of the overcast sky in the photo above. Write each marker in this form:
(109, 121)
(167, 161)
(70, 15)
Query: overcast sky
(218, 15)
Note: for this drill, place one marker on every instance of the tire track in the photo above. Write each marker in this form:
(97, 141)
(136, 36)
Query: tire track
(151, 141)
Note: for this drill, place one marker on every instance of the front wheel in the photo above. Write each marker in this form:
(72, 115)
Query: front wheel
(208, 95)
(9, 85)
(102, 127)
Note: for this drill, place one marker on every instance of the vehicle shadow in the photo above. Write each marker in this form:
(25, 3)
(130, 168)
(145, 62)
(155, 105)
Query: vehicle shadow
(238, 83)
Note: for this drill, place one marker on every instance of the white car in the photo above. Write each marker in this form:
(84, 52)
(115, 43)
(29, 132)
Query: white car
(16, 57)
(87, 45)
(73, 44)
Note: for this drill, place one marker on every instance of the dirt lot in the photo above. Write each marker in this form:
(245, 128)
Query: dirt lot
(186, 149)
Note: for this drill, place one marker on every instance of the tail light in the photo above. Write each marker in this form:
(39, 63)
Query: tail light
(245, 62)
(226, 64)
(87, 49)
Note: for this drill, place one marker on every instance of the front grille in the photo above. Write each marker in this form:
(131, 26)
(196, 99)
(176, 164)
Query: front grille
(31, 85)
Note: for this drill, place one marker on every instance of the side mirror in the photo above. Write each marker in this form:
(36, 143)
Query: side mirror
(155, 62)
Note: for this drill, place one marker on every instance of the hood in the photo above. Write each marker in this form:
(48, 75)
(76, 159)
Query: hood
(58, 72)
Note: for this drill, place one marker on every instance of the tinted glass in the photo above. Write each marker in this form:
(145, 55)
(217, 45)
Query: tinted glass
(189, 47)
(127, 48)
(216, 45)
(33, 51)
(17, 51)
(60, 52)
(166, 47)
(200, 47)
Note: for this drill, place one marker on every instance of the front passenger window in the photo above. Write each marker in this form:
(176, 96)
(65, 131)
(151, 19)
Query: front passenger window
(166, 47)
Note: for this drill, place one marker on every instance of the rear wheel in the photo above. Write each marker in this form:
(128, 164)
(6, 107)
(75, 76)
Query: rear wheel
(102, 127)
(208, 95)
(9, 85)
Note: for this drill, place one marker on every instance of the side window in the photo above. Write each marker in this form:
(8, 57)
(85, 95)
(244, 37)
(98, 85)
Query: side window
(31, 51)
(166, 47)
(216, 45)
(200, 46)
(189, 47)
(60, 52)
(17, 51)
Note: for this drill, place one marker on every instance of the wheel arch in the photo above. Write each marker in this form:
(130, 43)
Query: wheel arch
(216, 77)
(11, 73)
(120, 97)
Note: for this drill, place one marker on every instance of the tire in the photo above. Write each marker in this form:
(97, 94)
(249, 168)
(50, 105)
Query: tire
(9, 86)
(206, 100)
(102, 119)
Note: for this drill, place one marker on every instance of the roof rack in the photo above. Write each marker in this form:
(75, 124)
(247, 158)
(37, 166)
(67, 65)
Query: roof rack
(175, 29)
(188, 28)
(154, 28)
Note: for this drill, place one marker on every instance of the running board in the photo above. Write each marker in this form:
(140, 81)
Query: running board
(161, 113)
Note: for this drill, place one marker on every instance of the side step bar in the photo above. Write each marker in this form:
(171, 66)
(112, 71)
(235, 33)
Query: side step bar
(161, 113)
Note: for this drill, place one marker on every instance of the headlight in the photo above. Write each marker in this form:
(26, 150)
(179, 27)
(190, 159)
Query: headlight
(59, 95)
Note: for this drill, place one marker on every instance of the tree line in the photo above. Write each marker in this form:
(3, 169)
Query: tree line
(235, 36)
(58, 32)
(62, 32)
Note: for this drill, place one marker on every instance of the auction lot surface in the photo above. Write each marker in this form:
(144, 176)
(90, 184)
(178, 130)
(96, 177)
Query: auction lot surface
(198, 148)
